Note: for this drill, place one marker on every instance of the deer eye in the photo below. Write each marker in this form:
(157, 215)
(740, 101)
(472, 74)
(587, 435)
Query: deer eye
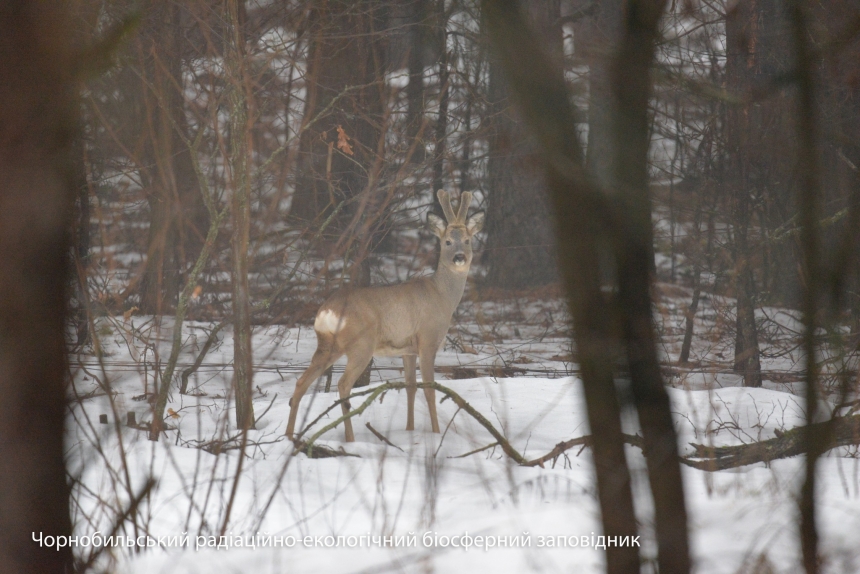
(448, 242)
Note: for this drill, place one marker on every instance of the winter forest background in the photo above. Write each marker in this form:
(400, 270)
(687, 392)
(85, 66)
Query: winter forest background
(658, 338)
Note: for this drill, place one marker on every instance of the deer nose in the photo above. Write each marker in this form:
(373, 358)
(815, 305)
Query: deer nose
(460, 258)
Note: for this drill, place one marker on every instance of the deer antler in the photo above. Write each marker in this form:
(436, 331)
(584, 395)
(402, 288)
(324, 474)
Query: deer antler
(465, 200)
(445, 202)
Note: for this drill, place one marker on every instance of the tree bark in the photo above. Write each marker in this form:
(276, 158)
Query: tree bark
(38, 110)
(240, 138)
(520, 248)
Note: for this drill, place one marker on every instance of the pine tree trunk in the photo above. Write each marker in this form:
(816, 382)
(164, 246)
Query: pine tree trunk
(520, 249)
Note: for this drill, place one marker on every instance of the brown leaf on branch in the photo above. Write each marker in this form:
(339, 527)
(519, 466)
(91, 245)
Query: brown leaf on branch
(343, 141)
(128, 314)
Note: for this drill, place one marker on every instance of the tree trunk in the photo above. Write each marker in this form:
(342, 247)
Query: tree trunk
(809, 205)
(38, 108)
(741, 34)
(631, 90)
(520, 249)
(415, 87)
(442, 116)
(178, 216)
(599, 36)
(240, 138)
(343, 109)
(583, 227)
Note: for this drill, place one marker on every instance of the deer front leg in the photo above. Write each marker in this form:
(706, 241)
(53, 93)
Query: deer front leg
(427, 357)
(356, 363)
(411, 388)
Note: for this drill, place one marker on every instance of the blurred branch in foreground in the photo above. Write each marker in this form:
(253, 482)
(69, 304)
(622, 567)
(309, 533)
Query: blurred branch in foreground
(588, 219)
(37, 126)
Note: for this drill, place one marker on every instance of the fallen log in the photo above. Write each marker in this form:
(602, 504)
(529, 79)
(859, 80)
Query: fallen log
(841, 431)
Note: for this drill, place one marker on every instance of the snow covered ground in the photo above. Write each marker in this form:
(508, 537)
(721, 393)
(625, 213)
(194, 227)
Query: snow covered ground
(510, 360)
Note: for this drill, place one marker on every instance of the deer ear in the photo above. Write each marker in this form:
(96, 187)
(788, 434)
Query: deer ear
(475, 223)
(436, 224)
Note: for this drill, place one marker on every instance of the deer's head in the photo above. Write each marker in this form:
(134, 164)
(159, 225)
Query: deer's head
(455, 236)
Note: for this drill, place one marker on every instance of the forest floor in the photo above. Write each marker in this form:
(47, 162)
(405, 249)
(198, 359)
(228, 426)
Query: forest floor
(512, 360)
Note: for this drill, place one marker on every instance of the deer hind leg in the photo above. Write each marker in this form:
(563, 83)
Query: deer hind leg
(428, 359)
(411, 389)
(357, 360)
(323, 358)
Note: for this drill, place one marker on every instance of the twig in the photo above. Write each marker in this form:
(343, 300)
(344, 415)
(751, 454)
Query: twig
(130, 510)
(476, 451)
(268, 408)
(381, 436)
(199, 360)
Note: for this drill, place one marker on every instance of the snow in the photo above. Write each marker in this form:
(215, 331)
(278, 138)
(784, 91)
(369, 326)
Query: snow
(738, 518)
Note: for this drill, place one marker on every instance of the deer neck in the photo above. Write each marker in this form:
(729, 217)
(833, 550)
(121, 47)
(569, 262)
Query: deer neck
(450, 284)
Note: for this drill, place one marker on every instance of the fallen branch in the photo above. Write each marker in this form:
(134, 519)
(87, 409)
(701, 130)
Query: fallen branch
(457, 399)
(320, 451)
(381, 436)
(583, 441)
(844, 431)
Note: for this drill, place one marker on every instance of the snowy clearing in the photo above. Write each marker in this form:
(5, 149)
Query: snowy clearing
(740, 520)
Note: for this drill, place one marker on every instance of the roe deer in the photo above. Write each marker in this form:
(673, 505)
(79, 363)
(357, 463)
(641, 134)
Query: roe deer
(408, 319)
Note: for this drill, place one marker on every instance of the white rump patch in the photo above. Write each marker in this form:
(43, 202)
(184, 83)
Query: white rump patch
(328, 321)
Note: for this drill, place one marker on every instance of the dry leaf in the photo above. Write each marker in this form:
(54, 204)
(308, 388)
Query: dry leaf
(343, 141)
(127, 315)
(197, 291)
(172, 413)
(467, 348)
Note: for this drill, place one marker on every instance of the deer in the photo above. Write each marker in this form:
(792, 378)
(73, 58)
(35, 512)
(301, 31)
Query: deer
(407, 319)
